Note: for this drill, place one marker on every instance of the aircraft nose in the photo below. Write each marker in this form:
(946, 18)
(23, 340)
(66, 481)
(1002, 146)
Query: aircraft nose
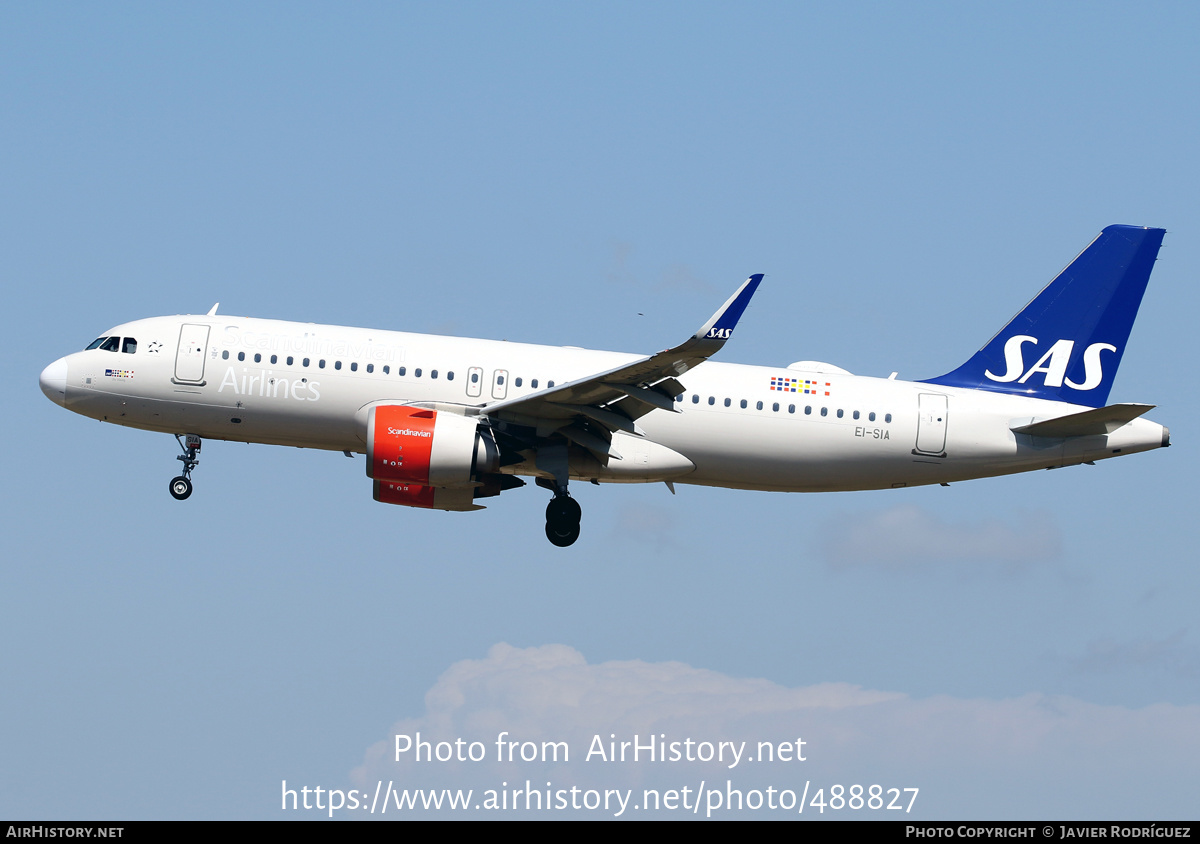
(53, 381)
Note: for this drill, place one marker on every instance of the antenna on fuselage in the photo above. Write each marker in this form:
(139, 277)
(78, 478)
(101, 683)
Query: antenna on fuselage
(213, 310)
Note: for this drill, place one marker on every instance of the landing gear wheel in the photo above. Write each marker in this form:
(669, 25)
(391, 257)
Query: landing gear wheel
(562, 512)
(562, 536)
(181, 488)
(562, 520)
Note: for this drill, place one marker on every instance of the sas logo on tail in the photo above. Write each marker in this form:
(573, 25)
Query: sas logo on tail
(1053, 364)
(719, 334)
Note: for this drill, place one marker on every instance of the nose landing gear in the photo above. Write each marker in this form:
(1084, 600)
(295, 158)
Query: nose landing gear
(181, 486)
(563, 514)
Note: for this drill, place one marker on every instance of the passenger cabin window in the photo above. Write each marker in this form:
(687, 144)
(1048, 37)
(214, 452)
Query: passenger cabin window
(401, 371)
(257, 358)
(241, 355)
(225, 355)
(727, 402)
(450, 376)
(370, 367)
(337, 364)
(129, 346)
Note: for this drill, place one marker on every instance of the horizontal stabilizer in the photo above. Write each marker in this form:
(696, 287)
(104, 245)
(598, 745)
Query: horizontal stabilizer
(1102, 420)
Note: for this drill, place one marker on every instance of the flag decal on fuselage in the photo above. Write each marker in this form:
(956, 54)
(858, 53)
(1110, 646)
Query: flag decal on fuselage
(782, 384)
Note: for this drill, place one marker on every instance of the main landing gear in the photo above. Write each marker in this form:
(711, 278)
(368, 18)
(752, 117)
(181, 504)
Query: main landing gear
(562, 519)
(181, 486)
(563, 511)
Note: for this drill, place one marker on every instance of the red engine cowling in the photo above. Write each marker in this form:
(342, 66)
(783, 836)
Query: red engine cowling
(425, 458)
(429, 497)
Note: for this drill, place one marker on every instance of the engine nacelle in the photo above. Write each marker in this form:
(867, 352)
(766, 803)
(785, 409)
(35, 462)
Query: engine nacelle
(417, 447)
(429, 497)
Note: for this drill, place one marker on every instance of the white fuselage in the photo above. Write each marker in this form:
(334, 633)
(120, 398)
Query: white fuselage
(750, 427)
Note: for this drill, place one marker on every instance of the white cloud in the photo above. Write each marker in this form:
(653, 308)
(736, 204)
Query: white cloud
(1031, 756)
(908, 536)
(1172, 653)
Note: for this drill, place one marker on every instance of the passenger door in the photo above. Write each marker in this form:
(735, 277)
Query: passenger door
(189, 358)
(932, 416)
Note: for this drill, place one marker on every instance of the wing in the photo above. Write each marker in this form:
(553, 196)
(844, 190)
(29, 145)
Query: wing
(587, 410)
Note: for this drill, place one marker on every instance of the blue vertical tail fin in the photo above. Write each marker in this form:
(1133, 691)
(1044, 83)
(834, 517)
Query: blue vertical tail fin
(1067, 343)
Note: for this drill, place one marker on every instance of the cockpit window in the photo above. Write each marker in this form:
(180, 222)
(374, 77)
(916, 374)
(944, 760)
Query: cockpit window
(111, 344)
(129, 346)
(95, 344)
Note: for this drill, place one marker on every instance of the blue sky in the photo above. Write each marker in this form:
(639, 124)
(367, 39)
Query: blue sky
(603, 176)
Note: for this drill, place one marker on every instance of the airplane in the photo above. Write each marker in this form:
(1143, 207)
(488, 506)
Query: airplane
(445, 422)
